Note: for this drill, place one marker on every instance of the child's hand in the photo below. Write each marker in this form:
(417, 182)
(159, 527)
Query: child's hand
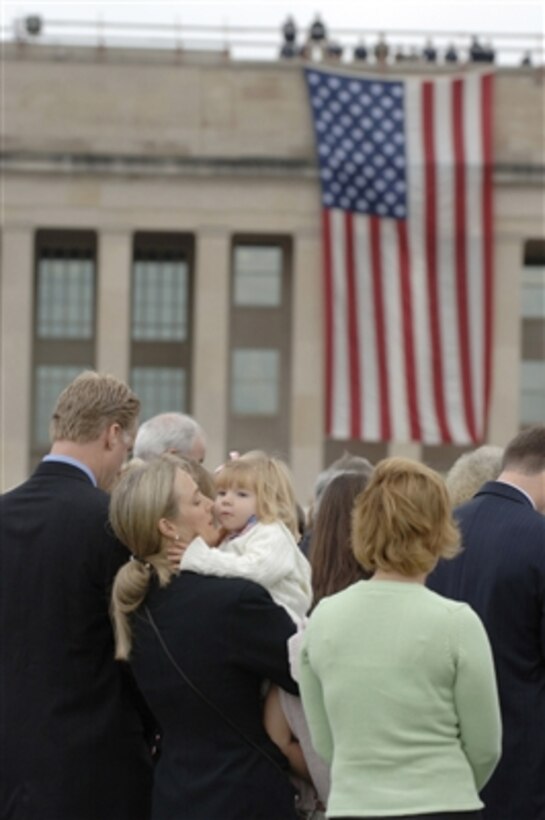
(222, 534)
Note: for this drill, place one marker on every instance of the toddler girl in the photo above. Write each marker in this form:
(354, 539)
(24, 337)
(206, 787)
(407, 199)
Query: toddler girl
(255, 505)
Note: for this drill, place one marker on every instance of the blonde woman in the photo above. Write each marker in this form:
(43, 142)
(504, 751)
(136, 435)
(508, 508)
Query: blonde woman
(199, 648)
(397, 682)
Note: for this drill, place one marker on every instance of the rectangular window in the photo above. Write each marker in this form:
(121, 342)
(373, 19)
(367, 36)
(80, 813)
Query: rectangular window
(160, 299)
(257, 276)
(65, 299)
(161, 322)
(532, 370)
(255, 384)
(533, 292)
(159, 388)
(64, 321)
(533, 391)
(260, 344)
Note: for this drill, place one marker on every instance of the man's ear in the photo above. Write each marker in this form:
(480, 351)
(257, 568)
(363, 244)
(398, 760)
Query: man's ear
(113, 431)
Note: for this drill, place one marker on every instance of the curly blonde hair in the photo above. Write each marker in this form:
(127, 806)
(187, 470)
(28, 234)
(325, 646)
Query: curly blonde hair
(270, 479)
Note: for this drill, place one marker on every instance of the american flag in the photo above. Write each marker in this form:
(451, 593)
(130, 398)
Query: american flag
(405, 169)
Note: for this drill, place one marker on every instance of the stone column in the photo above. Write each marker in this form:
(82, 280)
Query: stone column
(307, 390)
(16, 337)
(114, 303)
(210, 357)
(505, 397)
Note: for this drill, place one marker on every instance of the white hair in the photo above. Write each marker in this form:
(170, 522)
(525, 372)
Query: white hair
(166, 432)
(346, 464)
(471, 470)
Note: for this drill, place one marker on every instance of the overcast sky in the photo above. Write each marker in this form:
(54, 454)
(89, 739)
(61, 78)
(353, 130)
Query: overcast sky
(463, 15)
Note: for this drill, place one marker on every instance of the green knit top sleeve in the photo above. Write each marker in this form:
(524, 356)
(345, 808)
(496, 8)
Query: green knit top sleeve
(478, 713)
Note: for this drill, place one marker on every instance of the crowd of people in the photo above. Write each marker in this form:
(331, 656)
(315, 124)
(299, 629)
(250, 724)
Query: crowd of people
(181, 644)
(318, 44)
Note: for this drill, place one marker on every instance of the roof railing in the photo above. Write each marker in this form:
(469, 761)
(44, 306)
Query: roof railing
(287, 41)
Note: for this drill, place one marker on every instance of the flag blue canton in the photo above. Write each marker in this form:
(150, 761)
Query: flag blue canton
(360, 134)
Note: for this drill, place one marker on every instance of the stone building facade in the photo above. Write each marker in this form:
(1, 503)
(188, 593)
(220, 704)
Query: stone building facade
(143, 190)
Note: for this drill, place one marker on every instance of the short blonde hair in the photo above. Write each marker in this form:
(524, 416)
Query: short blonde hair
(143, 494)
(402, 522)
(90, 403)
(270, 479)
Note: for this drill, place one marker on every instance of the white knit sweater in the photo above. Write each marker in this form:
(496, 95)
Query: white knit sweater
(264, 553)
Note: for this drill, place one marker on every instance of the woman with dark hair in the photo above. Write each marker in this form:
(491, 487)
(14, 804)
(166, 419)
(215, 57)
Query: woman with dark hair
(397, 682)
(333, 569)
(334, 566)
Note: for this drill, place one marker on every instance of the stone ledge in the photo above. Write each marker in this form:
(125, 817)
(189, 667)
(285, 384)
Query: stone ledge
(159, 166)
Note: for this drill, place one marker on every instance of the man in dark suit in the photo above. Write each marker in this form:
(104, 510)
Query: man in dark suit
(501, 574)
(72, 745)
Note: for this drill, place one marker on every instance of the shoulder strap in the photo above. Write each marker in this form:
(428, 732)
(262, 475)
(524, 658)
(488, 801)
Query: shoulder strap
(206, 700)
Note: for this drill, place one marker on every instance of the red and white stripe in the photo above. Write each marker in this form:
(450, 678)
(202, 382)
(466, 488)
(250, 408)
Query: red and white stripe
(409, 303)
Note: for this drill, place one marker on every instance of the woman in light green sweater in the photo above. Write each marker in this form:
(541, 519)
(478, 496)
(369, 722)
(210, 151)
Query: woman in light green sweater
(398, 683)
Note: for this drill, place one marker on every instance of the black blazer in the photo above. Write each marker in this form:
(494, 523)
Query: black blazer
(71, 739)
(229, 637)
(501, 574)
